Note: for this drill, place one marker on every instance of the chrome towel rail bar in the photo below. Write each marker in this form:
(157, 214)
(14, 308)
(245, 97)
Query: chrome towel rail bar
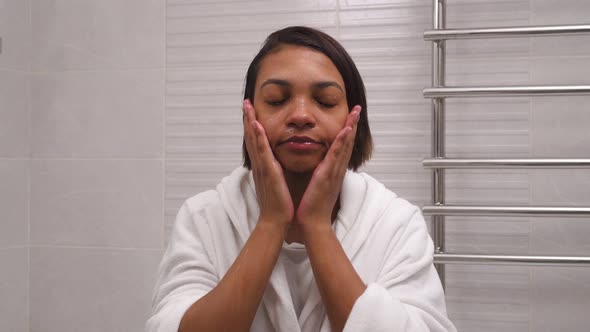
(505, 163)
(504, 32)
(439, 162)
(512, 260)
(514, 211)
(506, 91)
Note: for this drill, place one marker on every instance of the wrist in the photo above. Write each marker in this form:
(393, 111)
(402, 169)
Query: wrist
(317, 229)
(278, 229)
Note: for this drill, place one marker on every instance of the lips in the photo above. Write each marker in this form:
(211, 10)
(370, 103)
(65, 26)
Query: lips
(302, 144)
(300, 139)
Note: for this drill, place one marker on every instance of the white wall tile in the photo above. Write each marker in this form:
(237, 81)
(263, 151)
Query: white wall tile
(560, 127)
(546, 12)
(98, 114)
(14, 203)
(14, 114)
(560, 295)
(113, 203)
(560, 299)
(196, 8)
(97, 34)
(14, 290)
(483, 13)
(15, 25)
(488, 298)
(561, 69)
(77, 289)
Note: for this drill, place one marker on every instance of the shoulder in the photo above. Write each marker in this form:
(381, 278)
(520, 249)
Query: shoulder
(195, 212)
(390, 203)
(204, 200)
(396, 214)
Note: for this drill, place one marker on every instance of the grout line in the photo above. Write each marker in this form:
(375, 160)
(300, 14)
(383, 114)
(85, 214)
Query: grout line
(12, 70)
(95, 70)
(83, 158)
(94, 247)
(531, 271)
(13, 247)
(30, 166)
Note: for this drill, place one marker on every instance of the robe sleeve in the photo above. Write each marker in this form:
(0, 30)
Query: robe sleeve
(186, 272)
(408, 295)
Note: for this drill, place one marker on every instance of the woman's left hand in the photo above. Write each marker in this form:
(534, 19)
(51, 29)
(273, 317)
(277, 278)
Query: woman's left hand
(318, 201)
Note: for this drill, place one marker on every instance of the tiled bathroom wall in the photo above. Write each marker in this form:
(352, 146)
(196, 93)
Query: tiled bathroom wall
(112, 113)
(96, 200)
(15, 161)
(81, 163)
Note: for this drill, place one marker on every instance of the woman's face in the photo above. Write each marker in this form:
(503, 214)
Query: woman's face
(300, 100)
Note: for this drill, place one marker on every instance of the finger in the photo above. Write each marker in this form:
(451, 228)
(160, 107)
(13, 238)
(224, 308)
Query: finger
(353, 117)
(356, 111)
(247, 136)
(343, 144)
(248, 132)
(264, 152)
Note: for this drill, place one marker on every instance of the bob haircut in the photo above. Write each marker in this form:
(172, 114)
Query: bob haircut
(354, 86)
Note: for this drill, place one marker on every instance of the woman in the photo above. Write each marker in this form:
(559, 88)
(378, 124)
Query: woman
(296, 240)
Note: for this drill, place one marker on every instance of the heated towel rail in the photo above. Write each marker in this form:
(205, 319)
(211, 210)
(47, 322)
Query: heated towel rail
(438, 163)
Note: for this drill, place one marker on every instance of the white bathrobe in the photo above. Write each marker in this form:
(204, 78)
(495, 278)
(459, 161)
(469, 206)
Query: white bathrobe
(384, 236)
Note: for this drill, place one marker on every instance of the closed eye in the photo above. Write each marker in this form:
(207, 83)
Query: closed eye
(276, 102)
(326, 105)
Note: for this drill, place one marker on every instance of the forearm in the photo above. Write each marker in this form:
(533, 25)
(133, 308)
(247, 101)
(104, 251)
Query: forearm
(339, 283)
(232, 304)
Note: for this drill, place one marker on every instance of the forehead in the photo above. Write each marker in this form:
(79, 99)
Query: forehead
(298, 64)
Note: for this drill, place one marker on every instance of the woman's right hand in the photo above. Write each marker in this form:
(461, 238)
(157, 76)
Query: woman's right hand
(274, 199)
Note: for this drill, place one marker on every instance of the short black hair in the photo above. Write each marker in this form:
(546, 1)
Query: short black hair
(355, 88)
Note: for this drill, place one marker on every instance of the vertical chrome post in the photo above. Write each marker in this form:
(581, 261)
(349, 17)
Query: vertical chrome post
(438, 132)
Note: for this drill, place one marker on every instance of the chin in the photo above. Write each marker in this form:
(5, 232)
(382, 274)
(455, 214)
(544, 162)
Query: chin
(300, 165)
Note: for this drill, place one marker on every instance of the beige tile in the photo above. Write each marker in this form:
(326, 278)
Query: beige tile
(14, 113)
(97, 34)
(97, 203)
(14, 284)
(76, 289)
(14, 202)
(16, 34)
(104, 114)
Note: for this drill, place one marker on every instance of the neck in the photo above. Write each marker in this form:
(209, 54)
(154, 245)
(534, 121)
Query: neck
(297, 183)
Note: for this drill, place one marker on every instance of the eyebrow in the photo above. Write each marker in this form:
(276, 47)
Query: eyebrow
(320, 85)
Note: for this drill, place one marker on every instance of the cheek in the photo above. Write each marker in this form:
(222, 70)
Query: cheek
(271, 125)
(335, 123)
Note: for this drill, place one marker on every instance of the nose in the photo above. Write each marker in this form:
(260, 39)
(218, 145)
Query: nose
(301, 116)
